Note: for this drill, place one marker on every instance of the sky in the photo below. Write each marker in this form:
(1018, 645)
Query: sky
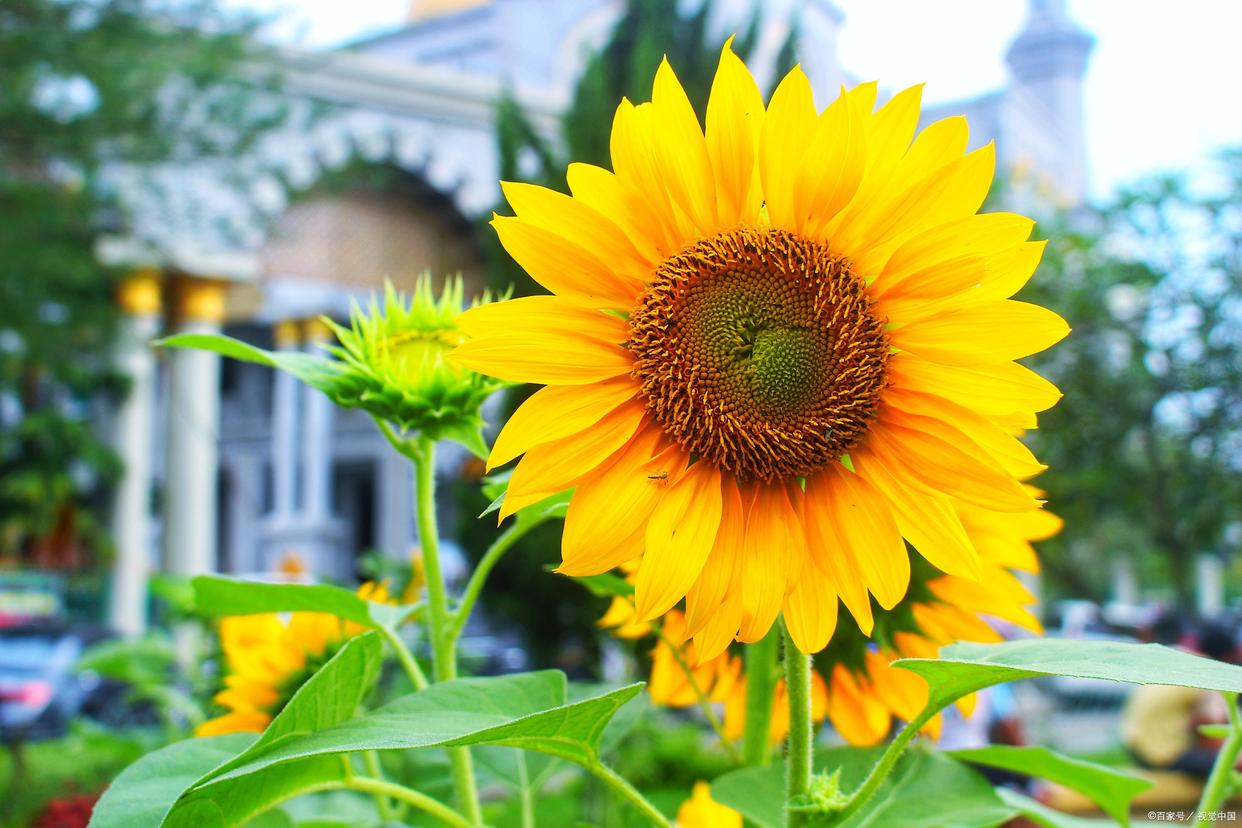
(1160, 93)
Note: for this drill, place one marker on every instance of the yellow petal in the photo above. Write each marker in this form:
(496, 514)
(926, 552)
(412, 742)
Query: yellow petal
(636, 160)
(680, 534)
(592, 229)
(833, 165)
(811, 611)
(773, 530)
(791, 118)
(828, 547)
(996, 332)
(720, 569)
(682, 151)
(1001, 388)
(926, 520)
(555, 466)
(734, 120)
(603, 192)
(1012, 455)
(946, 460)
(975, 236)
(869, 533)
(608, 513)
(556, 412)
(565, 267)
(543, 339)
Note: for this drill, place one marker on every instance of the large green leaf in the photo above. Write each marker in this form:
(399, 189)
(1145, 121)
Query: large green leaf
(1109, 788)
(145, 791)
(964, 668)
(1045, 817)
(925, 789)
(321, 374)
(216, 595)
(329, 697)
(524, 711)
(234, 801)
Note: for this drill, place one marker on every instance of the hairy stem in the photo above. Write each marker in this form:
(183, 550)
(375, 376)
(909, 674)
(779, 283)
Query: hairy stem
(882, 768)
(801, 732)
(443, 645)
(760, 687)
(1217, 789)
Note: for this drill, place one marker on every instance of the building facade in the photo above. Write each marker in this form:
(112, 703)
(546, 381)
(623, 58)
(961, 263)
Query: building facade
(385, 162)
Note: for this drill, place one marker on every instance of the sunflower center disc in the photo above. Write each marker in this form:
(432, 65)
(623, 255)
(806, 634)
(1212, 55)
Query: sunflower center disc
(758, 352)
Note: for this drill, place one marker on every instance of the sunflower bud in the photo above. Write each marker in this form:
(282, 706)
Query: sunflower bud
(394, 366)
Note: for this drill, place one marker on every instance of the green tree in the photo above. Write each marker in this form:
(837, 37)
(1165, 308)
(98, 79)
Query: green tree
(1145, 449)
(89, 86)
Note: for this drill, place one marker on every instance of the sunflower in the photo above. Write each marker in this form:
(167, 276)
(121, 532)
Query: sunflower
(269, 656)
(775, 350)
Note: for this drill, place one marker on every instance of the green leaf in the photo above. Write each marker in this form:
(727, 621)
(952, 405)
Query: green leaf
(1046, 817)
(964, 668)
(1109, 788)
(223, 804)
(142, 661)
(144, 793)
(319, 373)
(605, 585)
(524, 711)
(215, 595)
(927, 789)
(329, 697)
(554, 506)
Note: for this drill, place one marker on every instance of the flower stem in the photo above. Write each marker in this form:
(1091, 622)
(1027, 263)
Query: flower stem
(371, 759)
(801, 733)
(879, 772)
(404, 657)
(401, 793)
(619, 784)
(479, 577)
(1217, 789)
(443, 645)
(760, 687)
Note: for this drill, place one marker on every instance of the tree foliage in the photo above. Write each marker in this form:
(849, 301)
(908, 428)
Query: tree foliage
(89, 86)
(1145, 449)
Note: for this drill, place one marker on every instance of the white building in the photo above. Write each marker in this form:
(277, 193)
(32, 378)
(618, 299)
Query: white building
(252, 466)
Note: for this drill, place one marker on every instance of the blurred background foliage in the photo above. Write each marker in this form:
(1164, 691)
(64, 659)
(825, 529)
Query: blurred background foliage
(1145, 448)
(74, 100)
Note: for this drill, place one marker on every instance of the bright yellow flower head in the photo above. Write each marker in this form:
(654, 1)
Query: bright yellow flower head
(268, 657)
(776, 349)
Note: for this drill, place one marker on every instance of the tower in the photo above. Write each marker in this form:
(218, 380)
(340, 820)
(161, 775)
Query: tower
(1047, 62)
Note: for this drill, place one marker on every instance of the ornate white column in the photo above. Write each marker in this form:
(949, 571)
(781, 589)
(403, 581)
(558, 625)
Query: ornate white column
(286, 336)
(139, 300)
(317, 435)
(193, 423)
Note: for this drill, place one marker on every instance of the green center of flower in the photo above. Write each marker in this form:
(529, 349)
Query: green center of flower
(758, 352)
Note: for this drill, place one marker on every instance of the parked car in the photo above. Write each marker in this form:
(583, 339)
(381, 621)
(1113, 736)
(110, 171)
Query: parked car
(40, 686)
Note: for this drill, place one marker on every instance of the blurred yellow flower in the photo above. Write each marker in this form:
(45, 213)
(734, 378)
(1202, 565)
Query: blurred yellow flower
(777, 349)
(269, 656)
(701, 811)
